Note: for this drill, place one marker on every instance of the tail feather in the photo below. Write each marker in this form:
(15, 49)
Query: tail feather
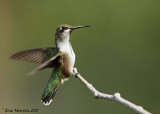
(48, 99)
(52, 86)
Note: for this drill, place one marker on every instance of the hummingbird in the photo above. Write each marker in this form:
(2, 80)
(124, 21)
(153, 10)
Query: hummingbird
(60, 58)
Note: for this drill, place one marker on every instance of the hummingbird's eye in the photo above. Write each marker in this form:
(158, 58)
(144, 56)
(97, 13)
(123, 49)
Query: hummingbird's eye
(64, 28)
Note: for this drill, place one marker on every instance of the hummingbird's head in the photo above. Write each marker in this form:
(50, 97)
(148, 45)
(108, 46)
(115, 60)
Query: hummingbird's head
(63, 32)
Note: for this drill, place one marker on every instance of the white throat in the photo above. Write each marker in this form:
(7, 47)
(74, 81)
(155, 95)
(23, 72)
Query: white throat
(64, 46)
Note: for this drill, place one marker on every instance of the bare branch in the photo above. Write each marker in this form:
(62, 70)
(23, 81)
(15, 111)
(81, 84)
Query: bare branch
(116, 97)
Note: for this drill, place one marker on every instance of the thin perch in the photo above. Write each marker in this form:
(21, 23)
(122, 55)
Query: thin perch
(116, 97)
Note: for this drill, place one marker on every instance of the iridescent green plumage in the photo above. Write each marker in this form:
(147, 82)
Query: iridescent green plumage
(53, 83)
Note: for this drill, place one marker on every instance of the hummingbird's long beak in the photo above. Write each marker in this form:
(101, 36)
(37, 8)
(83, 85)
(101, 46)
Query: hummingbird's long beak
(76, 27)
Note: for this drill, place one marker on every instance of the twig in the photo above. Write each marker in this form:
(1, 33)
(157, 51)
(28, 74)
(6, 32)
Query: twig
(116, 97)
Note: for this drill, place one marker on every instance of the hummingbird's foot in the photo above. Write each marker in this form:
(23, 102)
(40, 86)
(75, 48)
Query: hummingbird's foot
(75, 72)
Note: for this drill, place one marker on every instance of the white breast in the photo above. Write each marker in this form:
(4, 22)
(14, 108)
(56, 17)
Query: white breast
(67, 48)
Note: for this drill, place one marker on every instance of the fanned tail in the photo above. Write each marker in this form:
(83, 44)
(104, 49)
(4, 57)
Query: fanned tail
(52, 86)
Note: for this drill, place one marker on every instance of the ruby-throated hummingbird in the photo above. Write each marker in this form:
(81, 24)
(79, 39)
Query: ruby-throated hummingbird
(61, 58)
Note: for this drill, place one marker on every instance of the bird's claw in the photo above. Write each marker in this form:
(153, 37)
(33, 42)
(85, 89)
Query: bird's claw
(76, 72)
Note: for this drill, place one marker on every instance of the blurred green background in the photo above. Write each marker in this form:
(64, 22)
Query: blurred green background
(120, 52)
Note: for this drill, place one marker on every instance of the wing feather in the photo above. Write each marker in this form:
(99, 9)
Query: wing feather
(39, 55)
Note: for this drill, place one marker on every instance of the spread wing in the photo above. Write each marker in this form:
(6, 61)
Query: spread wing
(46, 64)
(39, 55)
